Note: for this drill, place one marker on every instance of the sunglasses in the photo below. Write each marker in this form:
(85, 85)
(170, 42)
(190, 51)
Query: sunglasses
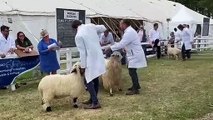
(7, 31)
(21, 36)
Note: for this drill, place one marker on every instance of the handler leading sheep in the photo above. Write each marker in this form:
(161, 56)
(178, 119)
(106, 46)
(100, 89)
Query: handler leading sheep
(91, 57)
(135, 54)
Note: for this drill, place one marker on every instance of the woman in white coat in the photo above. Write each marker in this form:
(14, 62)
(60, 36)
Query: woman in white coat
(186, 42)
(91, 57)
(135, 54)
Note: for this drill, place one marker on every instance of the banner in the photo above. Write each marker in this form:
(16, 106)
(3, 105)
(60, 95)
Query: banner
(12, 67)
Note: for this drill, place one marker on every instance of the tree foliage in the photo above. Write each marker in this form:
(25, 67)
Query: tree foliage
(204, 7)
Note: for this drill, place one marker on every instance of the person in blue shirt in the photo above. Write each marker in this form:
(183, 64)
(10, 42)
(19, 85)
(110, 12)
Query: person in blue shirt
(48, 58)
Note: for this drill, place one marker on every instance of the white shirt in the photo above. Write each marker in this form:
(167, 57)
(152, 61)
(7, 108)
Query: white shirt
(177, 36)
(108, 39)
(154, 34)
(140, 34)
(6, 44)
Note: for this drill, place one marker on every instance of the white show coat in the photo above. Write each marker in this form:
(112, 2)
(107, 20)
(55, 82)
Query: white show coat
(186, 38)
(91, 55)
(135, 54)
(6, 44)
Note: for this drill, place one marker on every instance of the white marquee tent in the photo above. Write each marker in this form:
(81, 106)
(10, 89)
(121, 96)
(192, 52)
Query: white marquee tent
(30, 16)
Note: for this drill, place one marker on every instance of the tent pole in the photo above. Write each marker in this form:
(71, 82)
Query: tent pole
(108, 26)
(134, 23)
(94, 21)
(116, 28)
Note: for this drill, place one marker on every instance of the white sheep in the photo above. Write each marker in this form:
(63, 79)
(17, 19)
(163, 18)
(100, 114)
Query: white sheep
(175, 52)
(58, 86)
(112, 77)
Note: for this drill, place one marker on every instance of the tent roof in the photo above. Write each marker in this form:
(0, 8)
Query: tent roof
(183, 16)
(150, 10)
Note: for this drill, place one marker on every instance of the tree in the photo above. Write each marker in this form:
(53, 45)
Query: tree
(202, 6)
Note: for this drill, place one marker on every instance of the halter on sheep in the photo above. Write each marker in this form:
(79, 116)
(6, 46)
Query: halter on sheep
(112, 78)
(58, 86)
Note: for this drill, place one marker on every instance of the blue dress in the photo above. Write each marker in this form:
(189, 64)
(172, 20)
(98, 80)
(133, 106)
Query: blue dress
(48, 59)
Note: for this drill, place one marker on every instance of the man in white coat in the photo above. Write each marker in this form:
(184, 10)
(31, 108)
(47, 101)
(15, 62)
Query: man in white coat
(155, 37)
(91, 57)
(7, 44)
(135, 54)
(186, 42)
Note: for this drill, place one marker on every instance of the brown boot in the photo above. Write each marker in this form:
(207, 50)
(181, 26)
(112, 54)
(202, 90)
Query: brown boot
(93, 106)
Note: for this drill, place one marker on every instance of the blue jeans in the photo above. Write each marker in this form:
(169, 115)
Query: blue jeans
(92, 88)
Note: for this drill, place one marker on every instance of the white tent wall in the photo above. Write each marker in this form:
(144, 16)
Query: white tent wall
(31, 26)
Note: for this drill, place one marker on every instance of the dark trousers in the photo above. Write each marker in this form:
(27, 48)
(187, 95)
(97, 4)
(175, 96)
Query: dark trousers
(92, 88)
(185, 53)
(157, 48)
(144, 49)
(134, 76)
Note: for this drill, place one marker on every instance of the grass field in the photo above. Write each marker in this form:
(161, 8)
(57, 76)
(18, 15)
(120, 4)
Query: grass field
(171, 90)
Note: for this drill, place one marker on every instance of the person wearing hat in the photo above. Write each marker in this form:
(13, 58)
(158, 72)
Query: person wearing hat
(47, 51)
(7, 43)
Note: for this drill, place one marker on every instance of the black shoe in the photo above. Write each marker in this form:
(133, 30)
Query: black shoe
(3, 88)
(133, 92)
(88, 102)
(131, 88)
(93, 106)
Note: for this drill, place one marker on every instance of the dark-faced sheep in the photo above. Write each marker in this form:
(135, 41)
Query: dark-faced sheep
(58, 86)
(173, 52)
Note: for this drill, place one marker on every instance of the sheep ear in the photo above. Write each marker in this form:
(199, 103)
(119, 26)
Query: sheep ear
(74, 70)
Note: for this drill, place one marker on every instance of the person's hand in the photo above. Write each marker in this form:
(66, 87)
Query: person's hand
(107, 48)
(11, 51)
(50, 49)
(2, 55)
(82, 71)
(27, 49)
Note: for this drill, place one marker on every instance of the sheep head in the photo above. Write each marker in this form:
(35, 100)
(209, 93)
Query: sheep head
(76, 68)
(169, 45)
(116, 55)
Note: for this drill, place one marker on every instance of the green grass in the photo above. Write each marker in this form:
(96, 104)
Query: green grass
(171, 90)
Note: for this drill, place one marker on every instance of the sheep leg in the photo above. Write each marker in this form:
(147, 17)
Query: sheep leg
(176, 56)
(46, 105)
(46, 102)
(120, 89)
(75, 102)
(110, 92)
(120, 86)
